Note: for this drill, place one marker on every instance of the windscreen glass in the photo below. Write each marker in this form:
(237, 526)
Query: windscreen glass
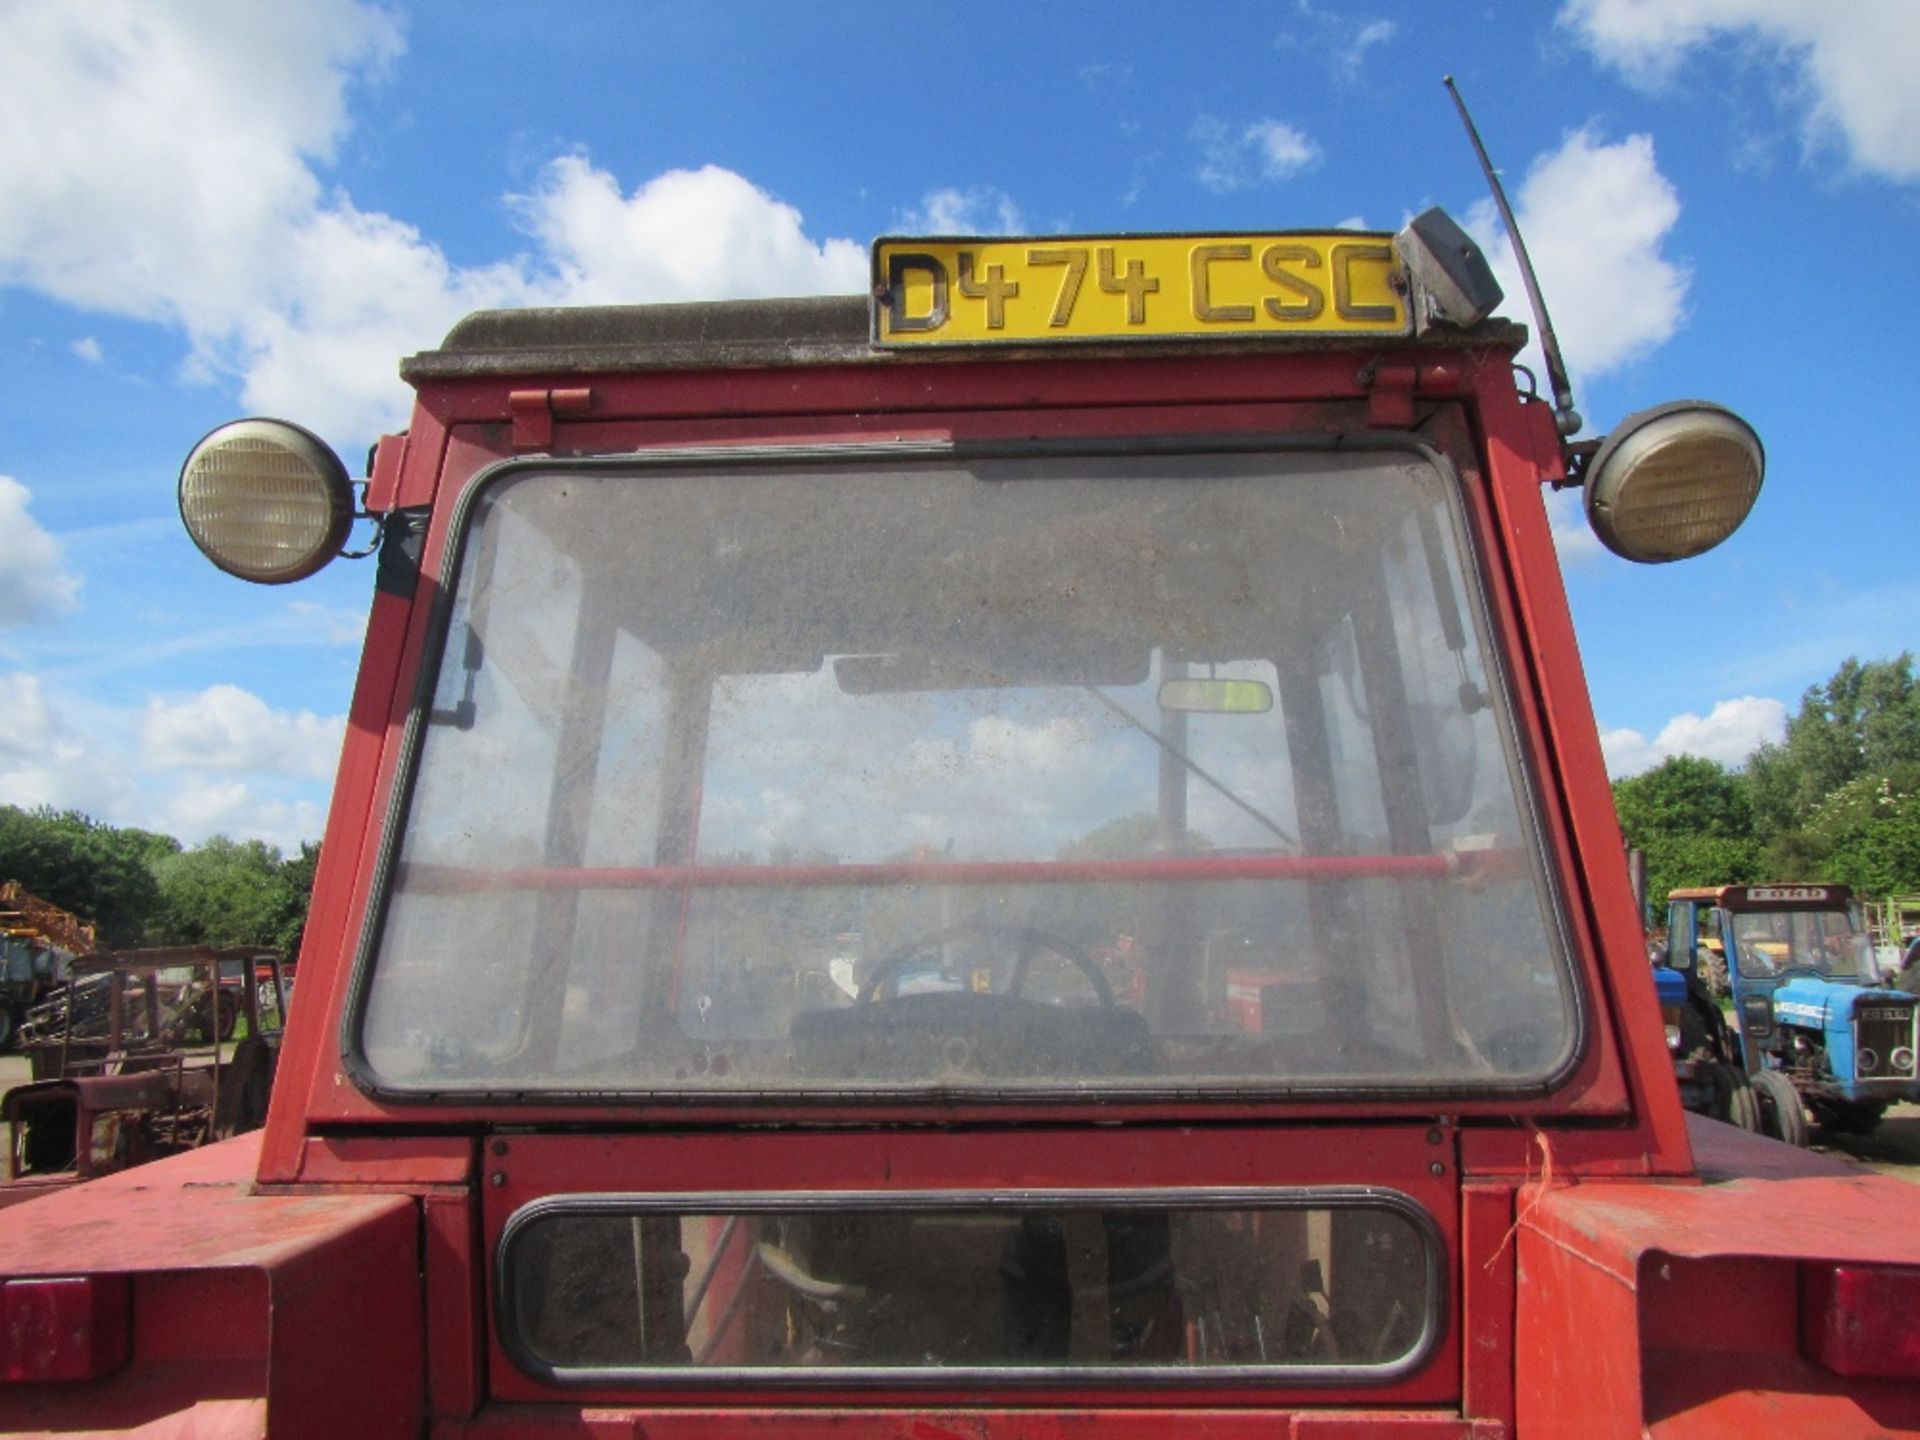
(1769, 942)
(1062, 774)
(1347, 1289)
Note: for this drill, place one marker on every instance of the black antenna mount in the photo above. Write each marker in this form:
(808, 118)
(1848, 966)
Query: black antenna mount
(1565, 418)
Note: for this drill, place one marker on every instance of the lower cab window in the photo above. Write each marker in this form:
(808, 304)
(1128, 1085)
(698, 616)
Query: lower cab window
(1281, 1288)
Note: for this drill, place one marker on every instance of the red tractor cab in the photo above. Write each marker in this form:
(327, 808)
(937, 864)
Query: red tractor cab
(1022, 856)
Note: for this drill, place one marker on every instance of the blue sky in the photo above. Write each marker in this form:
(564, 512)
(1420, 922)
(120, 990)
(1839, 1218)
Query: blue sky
(215, 209)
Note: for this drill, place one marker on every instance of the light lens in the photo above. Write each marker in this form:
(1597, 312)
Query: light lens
(1674, 481)
(70, 1327)
(266, 501)
(1858, 1319)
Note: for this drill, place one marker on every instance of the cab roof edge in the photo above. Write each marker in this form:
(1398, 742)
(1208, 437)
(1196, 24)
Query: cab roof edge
(820, 329)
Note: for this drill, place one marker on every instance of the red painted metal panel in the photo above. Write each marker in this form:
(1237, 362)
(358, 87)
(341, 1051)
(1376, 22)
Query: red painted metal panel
(1417, 1161)
(897, 386)
(1126, 389)
(309, 1055)
(1576, 1353)
(425, 456)
(1679, 1305)
(346, 1355)
(383, 475)
(943, 1423)
(1487, 1268)
(1598, 869)
(187, 1212)
(1730, 1396)
(1140, 415)
(369, 1160)
(456, 1308)
(310, 1303)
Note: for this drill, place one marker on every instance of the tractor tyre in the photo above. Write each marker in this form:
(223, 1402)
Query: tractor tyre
(9, 1027)
(1739, 1106)
(1781, 1114)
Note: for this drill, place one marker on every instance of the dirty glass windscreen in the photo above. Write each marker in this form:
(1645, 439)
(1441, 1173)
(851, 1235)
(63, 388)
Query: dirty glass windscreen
(1041, 775)
(1345, 1290)
(1771, 942)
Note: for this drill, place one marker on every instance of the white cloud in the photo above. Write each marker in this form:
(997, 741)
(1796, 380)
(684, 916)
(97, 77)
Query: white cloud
(1370, 34)
(368, 288)
(979, 211)
(225, 728)
(26, 725)
(88, 349)
(362, 290)
(1106, 72)
(1283, 151)
(1573, 537)
(1341, 42)
(61, 752)
(1850, 71)
(38, 584)
(1596, 218)
(703, 234)
(48, 758)
(195, 811)
(1729, 734)
(164, 163)
(156, 156)
(1231, 159)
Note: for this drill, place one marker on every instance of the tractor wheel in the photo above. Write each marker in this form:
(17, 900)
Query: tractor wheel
(1739, 1105)
(9, 1027)
(1781, 1115)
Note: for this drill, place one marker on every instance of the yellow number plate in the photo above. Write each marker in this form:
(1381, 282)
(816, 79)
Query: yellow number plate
(983, 292)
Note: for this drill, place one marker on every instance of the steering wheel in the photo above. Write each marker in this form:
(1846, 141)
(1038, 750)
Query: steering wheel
(1030, 940)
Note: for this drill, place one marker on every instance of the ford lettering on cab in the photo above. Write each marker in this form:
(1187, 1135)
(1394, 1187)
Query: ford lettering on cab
(1022, 856)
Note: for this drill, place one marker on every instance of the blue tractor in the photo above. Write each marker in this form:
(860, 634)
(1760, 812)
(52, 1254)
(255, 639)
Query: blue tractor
(1811, 1030)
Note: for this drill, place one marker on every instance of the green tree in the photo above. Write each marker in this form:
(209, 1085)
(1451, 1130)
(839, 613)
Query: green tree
(1685, 795)
(1693, 818)
(1870, 828)
(1864, 720)
(98, 872)
(296, 894)
(222, 892)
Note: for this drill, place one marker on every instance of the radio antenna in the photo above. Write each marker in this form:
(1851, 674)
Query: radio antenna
(1566, 419)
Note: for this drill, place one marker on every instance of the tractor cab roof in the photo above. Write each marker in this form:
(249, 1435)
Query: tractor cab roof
(810, 331)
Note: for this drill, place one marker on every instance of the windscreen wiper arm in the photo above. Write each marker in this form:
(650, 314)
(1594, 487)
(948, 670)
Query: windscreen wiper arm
(1174, 750)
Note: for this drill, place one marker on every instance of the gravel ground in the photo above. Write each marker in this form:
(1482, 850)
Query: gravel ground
(1893, 1149)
